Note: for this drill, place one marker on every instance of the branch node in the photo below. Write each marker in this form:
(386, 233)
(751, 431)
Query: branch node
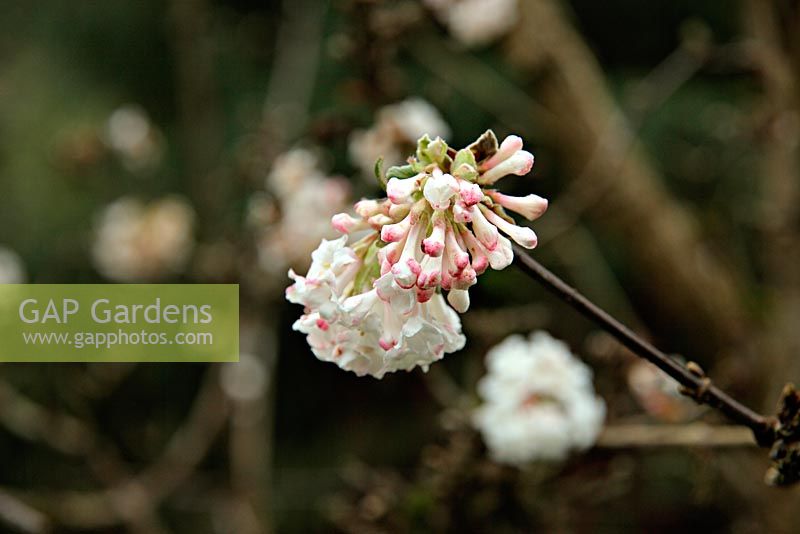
(785, 452)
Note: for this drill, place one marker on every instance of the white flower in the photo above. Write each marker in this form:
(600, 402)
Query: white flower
(476, 22)
(12, 270)
(372, 330)
(397, 128)
(538, 401)
(136, 242)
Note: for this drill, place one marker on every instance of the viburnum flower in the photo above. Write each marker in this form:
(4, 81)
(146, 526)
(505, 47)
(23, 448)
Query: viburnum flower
(377, 306)
(366, 323)
(443, 223)
(538, 401)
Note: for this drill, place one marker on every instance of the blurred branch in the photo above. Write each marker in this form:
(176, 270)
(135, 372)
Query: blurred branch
(20, 517)
(200, 116)
(33, 422)
(779, 136)
(252, 418)
(297, 54)
(624, 436)
(630, 200)
(134, 499)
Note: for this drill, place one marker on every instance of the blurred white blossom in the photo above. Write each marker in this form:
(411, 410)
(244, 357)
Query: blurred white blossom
(245, 380)
(130, 133)
(292, 224)
(137, 242)
(476, 22)
(12, 269)
(538, 401)
(394, 134)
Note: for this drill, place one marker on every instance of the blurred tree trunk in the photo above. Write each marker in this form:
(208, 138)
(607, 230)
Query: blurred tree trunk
(774, 49)
(621, 191)
(200, 120)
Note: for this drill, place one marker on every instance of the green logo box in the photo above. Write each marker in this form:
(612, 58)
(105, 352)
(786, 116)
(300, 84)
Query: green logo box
(119, 323)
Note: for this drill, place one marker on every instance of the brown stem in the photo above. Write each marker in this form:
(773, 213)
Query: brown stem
(690, 376)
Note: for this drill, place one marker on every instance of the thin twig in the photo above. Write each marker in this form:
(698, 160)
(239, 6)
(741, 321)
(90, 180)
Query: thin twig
(690, 376)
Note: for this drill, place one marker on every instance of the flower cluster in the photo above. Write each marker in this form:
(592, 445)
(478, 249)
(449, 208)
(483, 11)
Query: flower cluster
(377, 306)
(136, 242)
(539, 402)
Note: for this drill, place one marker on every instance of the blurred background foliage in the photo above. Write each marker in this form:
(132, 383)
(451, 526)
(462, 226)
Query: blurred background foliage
(229, 85)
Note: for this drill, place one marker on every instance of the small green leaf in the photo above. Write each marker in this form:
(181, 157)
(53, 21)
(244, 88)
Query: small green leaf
(422, 149)
(465, 155)
(402, 172)
(437, 151)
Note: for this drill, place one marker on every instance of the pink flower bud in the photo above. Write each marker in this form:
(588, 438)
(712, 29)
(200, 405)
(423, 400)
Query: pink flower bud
(406, 272)
(508, 147)
(531, 206)
(457, 256)
(367, 208)
(434, 244)
(521, 234)
(395, 232)
(484, 230)
(470, 193)
(424, 295)
(399, 190)
(344, 223)
(520, 164)
(461, 213)
(431, 274)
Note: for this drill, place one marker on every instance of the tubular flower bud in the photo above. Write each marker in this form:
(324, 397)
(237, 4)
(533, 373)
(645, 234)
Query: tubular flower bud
(519, 163)
(459, 299)
(531, 206)
(344, 223)
(510, 146)
(433, 245)
(521, 234)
